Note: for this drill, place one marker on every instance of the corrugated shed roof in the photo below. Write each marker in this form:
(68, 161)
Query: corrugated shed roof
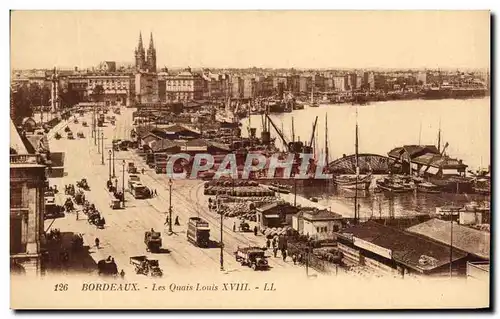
(467, 239)
(438, 161)
(413, 150)
(197, 142)
(177, 128)
(320, 214)
(407, 248)
(161, 145)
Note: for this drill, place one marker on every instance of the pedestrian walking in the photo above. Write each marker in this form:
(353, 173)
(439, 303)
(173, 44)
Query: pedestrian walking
(143, 171)
(275, 251)
(283, 253)
(294, 259)
(156, 194)
(255, 230)
(177, 221)
(166, 221)
(268, 243)
(77, 214)
(122, 274)
(97, 243)
(234, 227)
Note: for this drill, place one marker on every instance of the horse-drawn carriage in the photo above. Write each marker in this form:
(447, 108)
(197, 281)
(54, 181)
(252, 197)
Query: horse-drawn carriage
(83, 184)
(57, 136)
(88, 208)
(69, 190)
(244, 226)
(67, 129)
(115, 203)
(68, 205)
(79, 197)
(84, 124)
(152, 240)
(80, 134)
(96, 220)
(107, 267)
(145, 266)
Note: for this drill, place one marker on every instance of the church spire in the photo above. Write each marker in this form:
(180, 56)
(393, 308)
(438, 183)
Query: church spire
(151, 44)
(140, 46)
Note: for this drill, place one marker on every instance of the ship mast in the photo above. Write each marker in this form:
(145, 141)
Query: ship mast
(439, 137)
(326, 138)
(312, 90)
(356, 217)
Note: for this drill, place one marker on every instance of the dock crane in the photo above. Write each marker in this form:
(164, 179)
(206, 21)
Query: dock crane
(309, 148)
(285, 141)
(441, 154)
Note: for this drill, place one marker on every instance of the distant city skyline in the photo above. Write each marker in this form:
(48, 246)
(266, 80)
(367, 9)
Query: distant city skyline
(262, 39)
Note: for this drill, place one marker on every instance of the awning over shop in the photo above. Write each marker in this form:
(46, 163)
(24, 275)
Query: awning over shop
(272, 216)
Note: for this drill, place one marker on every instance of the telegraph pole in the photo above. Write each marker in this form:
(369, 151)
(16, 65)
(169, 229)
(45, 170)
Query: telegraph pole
(221, 236)
(109, 153)
(98, 139)
(170, 231)
(102, 147)
(113, 151)
(123, 183)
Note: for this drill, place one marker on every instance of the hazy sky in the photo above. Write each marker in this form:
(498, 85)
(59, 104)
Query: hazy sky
(301, 39)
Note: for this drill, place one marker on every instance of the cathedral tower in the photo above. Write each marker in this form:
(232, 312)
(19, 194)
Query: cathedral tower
(151, 58)
(140, 55)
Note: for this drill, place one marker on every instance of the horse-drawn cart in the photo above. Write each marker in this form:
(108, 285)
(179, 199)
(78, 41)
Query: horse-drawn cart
(83, 184)
(145, 266)
(107, 267)
(115, 203)
(252, 257)
(152, 240)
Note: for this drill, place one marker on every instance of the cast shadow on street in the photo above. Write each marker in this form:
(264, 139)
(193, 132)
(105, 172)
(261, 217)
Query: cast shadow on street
(62, 255)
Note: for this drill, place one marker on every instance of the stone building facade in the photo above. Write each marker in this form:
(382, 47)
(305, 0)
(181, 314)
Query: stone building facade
(27, 185)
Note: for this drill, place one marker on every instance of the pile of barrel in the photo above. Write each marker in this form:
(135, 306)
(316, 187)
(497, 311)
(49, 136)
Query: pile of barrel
(242, 191)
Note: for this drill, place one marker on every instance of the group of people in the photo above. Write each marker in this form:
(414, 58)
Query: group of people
(296, 258)
(176, 222)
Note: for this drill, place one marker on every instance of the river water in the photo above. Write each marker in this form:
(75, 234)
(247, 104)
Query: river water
(465, 125)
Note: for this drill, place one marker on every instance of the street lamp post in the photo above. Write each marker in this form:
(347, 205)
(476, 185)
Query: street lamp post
(123, 183)
(109, 153)
(94, 126)
(113, 150)
(102, 147)
(221, 244)
(170, 206)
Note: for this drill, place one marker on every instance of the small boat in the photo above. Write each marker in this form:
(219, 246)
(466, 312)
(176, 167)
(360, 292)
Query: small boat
(426, 187)
(394, 185)
(349, 181)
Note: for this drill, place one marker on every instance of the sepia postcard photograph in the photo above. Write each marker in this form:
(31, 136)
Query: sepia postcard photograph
(250, 160)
